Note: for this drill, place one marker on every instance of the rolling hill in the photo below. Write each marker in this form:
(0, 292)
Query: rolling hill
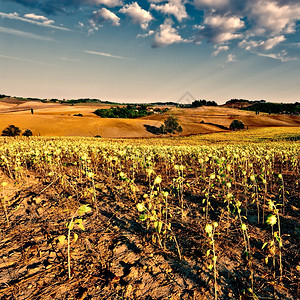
(55, 119)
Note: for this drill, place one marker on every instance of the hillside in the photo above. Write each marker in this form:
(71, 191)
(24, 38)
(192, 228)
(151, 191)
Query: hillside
(55, 119)
(240, 103)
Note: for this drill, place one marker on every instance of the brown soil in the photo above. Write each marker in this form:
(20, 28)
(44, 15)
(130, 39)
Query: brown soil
(115, 257)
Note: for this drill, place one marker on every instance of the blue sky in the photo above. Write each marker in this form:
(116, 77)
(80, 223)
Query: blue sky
(139, 51)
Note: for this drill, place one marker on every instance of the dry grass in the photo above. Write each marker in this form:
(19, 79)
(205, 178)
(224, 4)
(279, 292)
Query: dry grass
(53, 119)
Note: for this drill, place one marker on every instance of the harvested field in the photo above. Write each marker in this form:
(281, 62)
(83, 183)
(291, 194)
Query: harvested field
(53, 119)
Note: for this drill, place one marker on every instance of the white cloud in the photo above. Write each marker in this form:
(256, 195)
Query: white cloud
(14, 16)
(69, 59)
(270, 43)
(248, 45)
(172, 7)
(91, 30)
(54, 7)
(219, 49)
(221, 29)
(271, 18)
(25, 34)
(211, 3)
(260, 25)
(231, 58)
(223, 37)
(268, 23)
(108, 15)
(166, 35)
(109, 3)
(279, 56)
(225, 23)
(137, 14)
(198, 27)
(151, 32)
(107, 55)
(265, 45)
(104, 14)
(100, 16)
(36, 17)
(48, 22)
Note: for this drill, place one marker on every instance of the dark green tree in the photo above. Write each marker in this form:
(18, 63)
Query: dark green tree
(170, 126)
(27, 132)
(130, 111)
(236, 125)
(11, 130)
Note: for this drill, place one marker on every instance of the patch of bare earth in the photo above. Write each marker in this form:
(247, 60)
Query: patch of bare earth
(115, 258)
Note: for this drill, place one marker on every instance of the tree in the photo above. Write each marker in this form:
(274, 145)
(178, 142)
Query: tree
(170, 126)
(236, 125)
(11, 130)
(27, 132)
(130, 111)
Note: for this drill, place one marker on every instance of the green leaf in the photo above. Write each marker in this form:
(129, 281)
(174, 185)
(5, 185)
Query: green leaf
(70, 225)
(79, 223)
(143, 217)
(140, 207)
(75, 237)
(62, 239)
(159, 227)
(83, 209)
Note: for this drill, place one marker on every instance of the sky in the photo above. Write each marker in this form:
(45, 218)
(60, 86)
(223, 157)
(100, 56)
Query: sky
(148, 51)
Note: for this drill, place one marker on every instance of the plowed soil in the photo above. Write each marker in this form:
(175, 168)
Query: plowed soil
(116, 257)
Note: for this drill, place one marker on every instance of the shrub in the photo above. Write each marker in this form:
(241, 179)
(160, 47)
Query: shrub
(27, 132)
(130, 111)
(170, 126)
(11, 130)
(162, 129)
(236, 125)
(275, 108)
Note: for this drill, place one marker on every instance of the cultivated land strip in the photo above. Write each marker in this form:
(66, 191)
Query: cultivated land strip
(154, 205)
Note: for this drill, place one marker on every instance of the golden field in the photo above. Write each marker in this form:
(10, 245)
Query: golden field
(53, 119)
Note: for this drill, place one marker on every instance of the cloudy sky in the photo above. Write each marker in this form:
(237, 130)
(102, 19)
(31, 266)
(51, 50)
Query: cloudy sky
(151, 50)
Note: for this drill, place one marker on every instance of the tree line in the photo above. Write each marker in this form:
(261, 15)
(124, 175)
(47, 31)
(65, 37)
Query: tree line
(13, 130)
